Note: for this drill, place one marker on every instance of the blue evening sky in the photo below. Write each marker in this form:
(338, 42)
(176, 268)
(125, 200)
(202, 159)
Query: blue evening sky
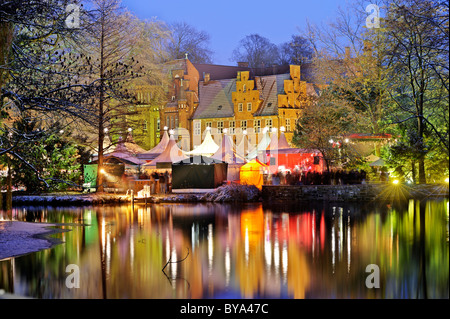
(228, 21)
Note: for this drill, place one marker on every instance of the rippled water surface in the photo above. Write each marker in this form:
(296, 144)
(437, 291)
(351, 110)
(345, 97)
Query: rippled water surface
(238, 251)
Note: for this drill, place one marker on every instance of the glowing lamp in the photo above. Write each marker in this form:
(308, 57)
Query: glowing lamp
(244, 132)
(274, 129)
(208, 128)
(225, 131)
(282, 129)
(331, 141)
(171, 132)
(265, 130)
(165, 128)
(347, 140)
(130, 129)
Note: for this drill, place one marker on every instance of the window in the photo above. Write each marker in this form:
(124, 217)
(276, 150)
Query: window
(176, 122)
(244, 125)
(145, 126)
(240, 107)
(269, 123)
(244, 88)
(209, 124)
(257, 126)
(197, 128)
(288, 125)
(220, 127)
(158, 125)
(167, 122)
(171, 123)
(249, 107)
(232, 127)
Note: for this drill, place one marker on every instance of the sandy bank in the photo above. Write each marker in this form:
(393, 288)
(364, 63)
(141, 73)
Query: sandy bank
(19, 238)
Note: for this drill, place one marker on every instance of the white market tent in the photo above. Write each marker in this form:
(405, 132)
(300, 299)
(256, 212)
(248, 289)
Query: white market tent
(227, 153)
(261, 147)
(171, 154)
(207, 148)
(157, 150)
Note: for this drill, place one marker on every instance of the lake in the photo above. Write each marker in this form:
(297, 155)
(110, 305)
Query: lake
(170, 251)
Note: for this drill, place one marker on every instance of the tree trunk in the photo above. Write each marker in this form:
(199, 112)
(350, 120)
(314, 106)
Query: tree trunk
(413, 171)
(101, 132)
(9, 186)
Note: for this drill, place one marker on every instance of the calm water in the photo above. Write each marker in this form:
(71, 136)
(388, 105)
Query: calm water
(249, 251)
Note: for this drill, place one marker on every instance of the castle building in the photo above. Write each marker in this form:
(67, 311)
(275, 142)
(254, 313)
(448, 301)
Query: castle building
(236, 98)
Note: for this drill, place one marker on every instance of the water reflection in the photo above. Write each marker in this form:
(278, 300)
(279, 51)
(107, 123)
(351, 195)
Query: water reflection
(250, 251)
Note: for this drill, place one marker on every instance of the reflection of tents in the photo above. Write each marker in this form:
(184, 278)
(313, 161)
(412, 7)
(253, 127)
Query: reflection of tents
(157, 150)
(171, 154)
(227, 153)
(207, 148)
(198, 172)
(252, 173)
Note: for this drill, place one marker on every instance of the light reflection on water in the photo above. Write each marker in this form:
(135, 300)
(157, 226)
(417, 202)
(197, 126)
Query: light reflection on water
(248, 251)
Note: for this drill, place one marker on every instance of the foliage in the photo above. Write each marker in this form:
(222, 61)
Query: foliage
(55, 160)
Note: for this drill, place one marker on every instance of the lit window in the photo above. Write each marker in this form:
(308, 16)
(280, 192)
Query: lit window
(144, 126)
(249, 107)
(232, 127)
(288, 125)
(257, 126)
(220, 127)
(244, 125)
(240, 107)
(197, 128)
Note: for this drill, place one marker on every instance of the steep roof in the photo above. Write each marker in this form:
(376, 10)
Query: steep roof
(215, 99)
(270, 87)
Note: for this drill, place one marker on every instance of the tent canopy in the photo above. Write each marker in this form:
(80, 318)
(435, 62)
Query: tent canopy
(157, 150)
(171, 154)
(252, 173)
(227, 152)
(262, 146)
(207, 148)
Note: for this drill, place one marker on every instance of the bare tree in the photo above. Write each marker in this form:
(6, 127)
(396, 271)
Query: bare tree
(109, 66)
(258, 51)
(185, 39)
(296, 51)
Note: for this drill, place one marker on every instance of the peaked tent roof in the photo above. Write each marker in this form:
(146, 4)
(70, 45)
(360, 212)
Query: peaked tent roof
(207, 148)
(171, 154)
(282, 141)
(262, 146)
(158, 149)
(124, 151)
(227, 152)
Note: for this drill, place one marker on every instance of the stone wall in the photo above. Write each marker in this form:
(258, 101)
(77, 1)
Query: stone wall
(340, 193)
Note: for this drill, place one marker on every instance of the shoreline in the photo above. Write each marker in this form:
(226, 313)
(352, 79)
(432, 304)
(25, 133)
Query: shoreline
(244, 193)
(21, 238)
